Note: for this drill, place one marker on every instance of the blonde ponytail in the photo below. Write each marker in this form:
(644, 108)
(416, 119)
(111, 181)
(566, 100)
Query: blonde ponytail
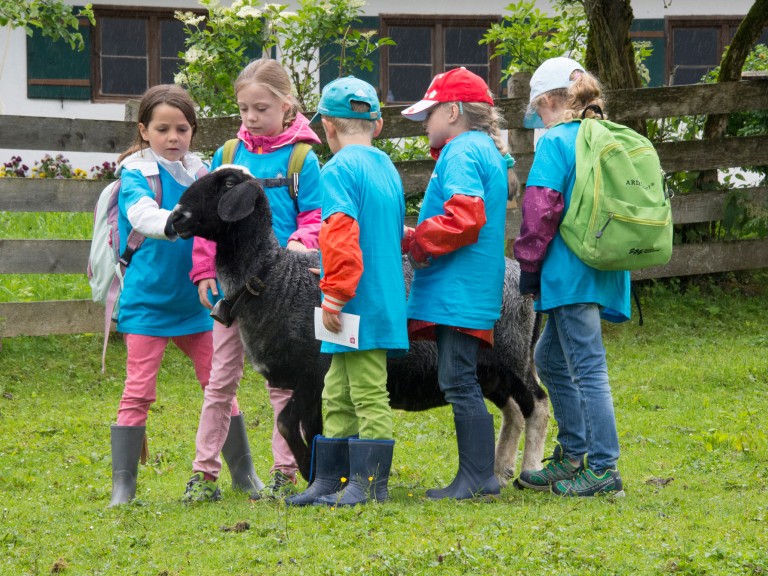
(486, 118)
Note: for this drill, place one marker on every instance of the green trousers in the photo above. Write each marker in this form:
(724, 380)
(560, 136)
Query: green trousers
(356, 398)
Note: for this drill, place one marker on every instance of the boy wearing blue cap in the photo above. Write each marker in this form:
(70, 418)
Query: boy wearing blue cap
(363, 211)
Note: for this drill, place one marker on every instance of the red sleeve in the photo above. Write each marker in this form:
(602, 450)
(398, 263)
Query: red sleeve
(542, 208)
(342, 260)
(459, 226)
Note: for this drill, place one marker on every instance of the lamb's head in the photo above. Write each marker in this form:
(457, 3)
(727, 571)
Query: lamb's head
(217, 200)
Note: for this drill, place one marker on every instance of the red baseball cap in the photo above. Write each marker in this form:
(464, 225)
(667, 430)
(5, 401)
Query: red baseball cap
(457, 85)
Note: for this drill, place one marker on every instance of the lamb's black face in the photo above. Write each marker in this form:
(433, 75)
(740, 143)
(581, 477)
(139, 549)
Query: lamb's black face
(197, 213)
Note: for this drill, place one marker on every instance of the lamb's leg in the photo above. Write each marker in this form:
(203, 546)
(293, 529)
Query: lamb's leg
(289, 425)
(509, 438)
(301, 421)
(535, 434)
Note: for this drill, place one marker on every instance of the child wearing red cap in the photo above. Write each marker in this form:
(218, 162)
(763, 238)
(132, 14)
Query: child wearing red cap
(457, 250)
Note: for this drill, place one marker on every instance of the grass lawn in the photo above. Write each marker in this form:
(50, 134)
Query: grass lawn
(691, 394)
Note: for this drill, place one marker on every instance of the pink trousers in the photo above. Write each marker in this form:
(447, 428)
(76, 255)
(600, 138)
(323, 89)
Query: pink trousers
(143, 363)
(219, 404)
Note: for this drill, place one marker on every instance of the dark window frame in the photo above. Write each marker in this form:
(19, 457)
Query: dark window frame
(438, 23)
(153, 17)
(724, 25)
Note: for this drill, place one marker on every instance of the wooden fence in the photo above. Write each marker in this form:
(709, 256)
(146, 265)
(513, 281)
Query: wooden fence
(71, 135)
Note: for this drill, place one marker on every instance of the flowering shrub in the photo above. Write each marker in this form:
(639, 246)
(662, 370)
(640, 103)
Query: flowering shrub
(220, 45)
(106, 171)
(57, 167)
(14, 168)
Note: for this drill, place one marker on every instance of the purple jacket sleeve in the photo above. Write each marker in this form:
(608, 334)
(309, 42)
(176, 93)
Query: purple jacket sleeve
(307, 228)
(203, 260)
(542, 208)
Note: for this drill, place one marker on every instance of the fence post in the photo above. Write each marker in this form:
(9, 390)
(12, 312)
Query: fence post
(132, 111)
(520, 139)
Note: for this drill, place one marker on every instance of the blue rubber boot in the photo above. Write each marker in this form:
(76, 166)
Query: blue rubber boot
(369, 464)
(330, 464)
(475, 478)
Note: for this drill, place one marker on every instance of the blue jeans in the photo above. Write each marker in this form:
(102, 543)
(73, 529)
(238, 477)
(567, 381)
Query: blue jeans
(570, 360)
(457, 372)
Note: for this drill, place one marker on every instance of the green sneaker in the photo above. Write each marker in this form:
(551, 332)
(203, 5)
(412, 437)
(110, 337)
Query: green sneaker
(279, 486)
(201, 490)
(557, 468)
(587, 483)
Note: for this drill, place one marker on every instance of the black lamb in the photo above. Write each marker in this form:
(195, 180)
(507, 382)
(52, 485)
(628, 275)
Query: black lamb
(275, 311)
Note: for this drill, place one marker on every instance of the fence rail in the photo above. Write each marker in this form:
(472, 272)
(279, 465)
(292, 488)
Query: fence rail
(69, 135)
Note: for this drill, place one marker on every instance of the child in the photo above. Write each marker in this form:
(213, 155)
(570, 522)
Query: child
(362, 274)
(458, 252)
(156, 303)
(271, 126)
(569, 357)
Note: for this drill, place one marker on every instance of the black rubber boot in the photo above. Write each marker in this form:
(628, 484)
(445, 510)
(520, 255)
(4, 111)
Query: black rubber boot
(369, 464)
(237, 454)
(475, 478)
(127, 442)
(330, 463)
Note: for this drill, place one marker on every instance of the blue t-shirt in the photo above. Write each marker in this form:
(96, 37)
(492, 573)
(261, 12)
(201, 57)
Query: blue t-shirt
(565, 279)
(463, 288)
(157, 298)
(362, 182)
(274, 164)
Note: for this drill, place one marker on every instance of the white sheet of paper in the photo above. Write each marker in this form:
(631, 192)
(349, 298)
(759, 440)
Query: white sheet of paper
(350, 325)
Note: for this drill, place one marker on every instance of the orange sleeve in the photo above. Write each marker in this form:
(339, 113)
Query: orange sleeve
(460, 225)
(342, 260)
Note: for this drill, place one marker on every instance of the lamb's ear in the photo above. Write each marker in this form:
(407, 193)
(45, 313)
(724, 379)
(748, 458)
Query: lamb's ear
(238, 202)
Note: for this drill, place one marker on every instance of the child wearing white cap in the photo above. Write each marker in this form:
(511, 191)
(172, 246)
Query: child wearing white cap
(360, 242)
(569, 356)
(458, 251)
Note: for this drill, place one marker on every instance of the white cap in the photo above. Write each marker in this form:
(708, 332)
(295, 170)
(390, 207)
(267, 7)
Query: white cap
(553, 74)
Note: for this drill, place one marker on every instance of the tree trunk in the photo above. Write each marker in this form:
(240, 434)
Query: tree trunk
(747, 34)
(609, 48)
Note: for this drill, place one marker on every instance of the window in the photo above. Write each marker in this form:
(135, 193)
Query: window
(133, 50)
(694, 47)
(429, 45)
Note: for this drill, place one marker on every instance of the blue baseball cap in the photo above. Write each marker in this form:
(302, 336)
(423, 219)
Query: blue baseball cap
(337, 97)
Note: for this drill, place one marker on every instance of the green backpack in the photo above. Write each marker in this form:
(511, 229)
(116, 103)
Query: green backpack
(620, 215)
(295, 164)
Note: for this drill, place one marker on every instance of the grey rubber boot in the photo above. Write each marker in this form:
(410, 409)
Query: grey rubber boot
(369, 464)
(127, 442)
(330, 463)
(237, 454)
(475, 478)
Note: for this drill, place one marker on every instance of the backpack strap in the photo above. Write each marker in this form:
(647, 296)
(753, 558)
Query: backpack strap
(134, 242)
(135, 238)
(228, 154)
(295, 164)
